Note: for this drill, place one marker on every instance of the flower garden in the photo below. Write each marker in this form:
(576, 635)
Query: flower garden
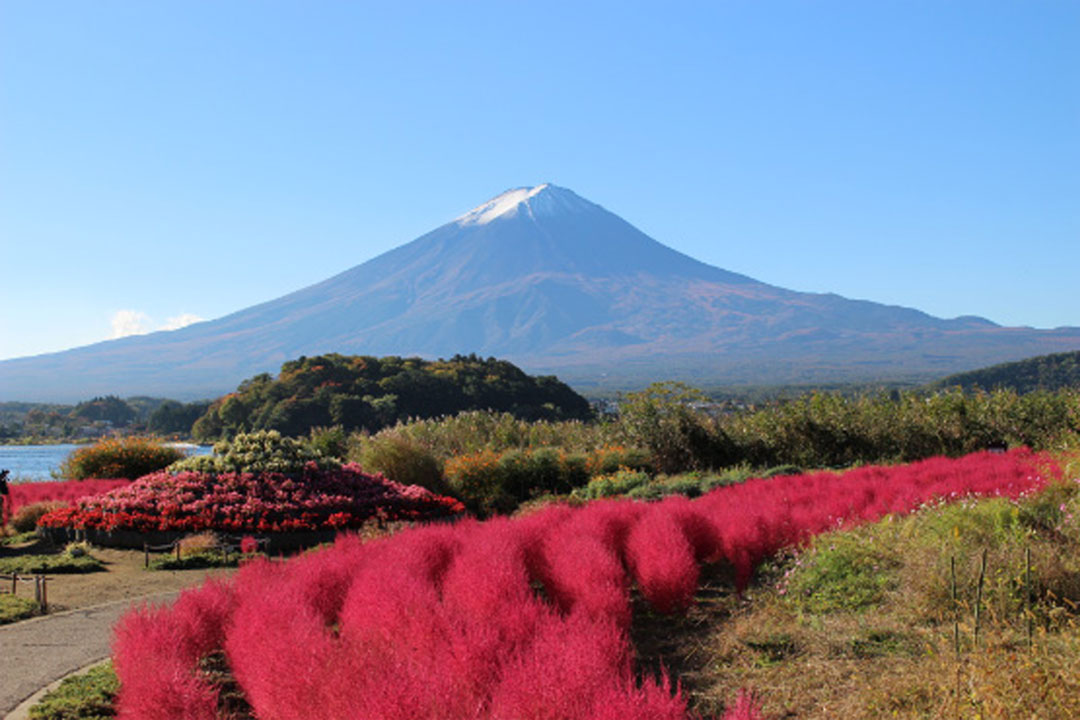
(193, 501)
(523, 618)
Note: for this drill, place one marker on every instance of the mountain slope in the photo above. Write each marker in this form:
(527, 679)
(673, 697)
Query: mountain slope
(552, 282)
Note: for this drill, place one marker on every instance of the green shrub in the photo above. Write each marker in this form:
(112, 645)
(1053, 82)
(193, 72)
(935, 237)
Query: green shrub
(477, 481)
(89, 696)
(688, 485)
(617, 483)
(401, 459)
(471, 432)
(130, 457)
(26, 518)
(262, 451)
(489, 482)
(731, 476)
(662, 419)
(330, 442)
(612, 458)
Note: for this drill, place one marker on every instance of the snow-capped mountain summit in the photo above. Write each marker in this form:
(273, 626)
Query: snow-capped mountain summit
(555, 283)
(546, 199)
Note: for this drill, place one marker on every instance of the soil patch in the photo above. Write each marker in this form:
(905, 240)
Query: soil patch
(123, 577)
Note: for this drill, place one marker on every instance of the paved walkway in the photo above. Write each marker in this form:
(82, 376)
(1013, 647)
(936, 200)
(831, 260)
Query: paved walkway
(37, 652)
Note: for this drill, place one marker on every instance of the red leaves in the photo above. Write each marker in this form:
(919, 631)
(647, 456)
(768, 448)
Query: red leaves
(262, 502)
(524, 618)
(65, 491)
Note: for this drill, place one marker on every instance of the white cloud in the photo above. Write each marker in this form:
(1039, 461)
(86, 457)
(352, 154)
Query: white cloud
(181, 320)
(134, 322)
(129, 322)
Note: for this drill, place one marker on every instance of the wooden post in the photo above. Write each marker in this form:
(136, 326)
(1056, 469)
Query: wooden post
(14, 583)
(955, 607)
(146, 555)
(1027, 594)
(44, 594)
(37, 589)
(177, 545)
(978, 595)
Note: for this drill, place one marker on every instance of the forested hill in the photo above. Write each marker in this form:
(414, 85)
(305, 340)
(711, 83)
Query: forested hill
(369, 393)
(1045, 372)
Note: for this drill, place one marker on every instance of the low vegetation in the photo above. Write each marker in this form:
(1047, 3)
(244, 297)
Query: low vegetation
(89, 696)
(865, 623)
(75, 558)
(14, 608)
(487, 458)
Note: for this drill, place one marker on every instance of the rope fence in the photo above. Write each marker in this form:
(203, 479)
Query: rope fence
(41, 587)
(226, 545)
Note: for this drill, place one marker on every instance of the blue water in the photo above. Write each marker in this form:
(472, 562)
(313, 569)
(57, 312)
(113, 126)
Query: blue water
(38, 462)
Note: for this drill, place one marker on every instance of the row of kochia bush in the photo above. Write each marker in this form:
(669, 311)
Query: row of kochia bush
(448, 622)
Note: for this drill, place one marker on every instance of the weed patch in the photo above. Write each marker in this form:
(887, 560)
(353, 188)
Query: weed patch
(89, 696)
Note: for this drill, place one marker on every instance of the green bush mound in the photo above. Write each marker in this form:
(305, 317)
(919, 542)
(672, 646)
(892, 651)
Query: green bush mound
(126, 457)
(257, 452)
(90, 696)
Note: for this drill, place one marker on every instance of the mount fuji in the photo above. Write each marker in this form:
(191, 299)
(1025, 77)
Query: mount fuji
(555, 283)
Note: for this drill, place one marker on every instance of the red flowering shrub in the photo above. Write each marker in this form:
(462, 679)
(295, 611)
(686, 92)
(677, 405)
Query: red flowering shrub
(67, 491)
(192, 501)
(523, 618)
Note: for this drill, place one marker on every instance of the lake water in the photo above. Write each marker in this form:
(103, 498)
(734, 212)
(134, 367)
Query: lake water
(37, 462)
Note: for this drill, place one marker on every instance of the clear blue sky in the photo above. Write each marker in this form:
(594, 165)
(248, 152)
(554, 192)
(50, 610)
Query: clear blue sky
(196, 157)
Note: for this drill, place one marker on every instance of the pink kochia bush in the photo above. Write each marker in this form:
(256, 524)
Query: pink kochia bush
(510, 619)
(317, 499)
(69, 491)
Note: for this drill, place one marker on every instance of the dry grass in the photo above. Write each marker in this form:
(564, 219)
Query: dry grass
(202, 543)
(894, 656)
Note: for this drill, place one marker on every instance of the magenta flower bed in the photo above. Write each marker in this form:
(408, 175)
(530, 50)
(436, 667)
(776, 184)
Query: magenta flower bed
(445, 622)
(246, 502)
(61, 491)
